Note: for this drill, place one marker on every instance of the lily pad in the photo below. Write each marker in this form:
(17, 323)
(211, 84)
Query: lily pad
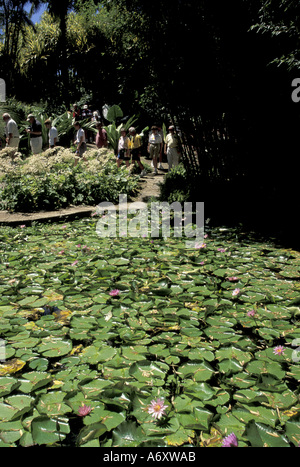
(54, 347)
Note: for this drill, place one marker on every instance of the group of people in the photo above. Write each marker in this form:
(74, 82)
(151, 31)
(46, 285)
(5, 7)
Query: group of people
(34, 130)
(85, 113)
(129, 146)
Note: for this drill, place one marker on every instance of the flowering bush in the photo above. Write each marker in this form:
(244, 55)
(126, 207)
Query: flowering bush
(52, 181)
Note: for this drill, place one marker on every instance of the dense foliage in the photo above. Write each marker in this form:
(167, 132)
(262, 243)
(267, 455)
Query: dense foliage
(97, 328)
(50, 180)
(105, 50)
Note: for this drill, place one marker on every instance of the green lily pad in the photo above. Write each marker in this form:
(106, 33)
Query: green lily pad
(7, 385)
(196, 371)
(147, 372)
(54, 347)
(15, 406)
(47, 431)
(261, 435)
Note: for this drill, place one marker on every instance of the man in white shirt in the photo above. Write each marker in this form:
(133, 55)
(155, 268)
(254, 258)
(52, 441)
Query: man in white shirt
(154, 146)
(53, 134)
(172, 148)
(11, 132)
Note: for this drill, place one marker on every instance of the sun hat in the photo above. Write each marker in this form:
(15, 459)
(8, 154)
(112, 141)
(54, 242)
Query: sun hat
(30, 116)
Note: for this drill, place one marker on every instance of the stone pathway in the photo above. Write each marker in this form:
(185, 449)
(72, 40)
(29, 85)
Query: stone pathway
(149, 189)
(151, 184)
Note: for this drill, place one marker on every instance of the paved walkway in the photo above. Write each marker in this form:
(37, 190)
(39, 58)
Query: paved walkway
(149, 188)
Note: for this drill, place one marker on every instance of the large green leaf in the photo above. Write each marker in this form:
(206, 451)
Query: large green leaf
(91, 432)
(149, 372)
(128, 434)
(54, 347)
(47, 431)
(261, 435)
(196, 371)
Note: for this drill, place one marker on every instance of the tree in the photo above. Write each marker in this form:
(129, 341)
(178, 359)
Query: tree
(13, 22)
(60, 9)
(38, 60)
(281, 20)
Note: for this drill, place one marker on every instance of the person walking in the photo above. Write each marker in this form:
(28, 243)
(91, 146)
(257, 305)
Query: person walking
(35, 132)
(53, 134)
(79, 142)
(123, 149)
(161, 133)
(154, 146)
(172, 148)
(101, 136)
(76, 112)
(11, 132)
(135, 146)
(87, 114)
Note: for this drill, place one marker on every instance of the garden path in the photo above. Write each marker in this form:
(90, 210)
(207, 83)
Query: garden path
(149, 189)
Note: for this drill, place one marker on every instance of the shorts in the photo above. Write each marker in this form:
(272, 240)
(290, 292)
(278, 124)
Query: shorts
(14, 142)
(154, 150)
(36, 145)
(121, 155)
(82, 149)
(136, 154)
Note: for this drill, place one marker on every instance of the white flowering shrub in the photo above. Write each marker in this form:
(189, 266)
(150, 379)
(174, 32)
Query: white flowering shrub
(52, 180)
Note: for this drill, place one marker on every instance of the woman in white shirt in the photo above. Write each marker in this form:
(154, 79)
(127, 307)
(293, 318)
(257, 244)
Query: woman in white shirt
(80, 141)
(53, 135)
(123, 149)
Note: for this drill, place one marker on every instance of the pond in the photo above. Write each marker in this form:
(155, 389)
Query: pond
(136, 342)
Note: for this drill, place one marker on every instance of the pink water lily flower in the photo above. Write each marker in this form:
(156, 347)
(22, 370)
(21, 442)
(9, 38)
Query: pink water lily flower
(84, 410)
(279, 350)
(200, 245)
(157, 408)
(230, 441)
(251, 313)
(114, 293)
(236, 292)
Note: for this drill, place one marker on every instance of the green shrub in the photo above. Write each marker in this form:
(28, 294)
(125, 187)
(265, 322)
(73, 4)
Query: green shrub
(51, 181)
(176, 186)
